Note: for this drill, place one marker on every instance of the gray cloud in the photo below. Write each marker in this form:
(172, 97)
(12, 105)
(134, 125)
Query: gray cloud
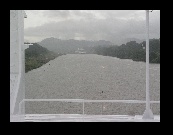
(90, 27)
(56, 13)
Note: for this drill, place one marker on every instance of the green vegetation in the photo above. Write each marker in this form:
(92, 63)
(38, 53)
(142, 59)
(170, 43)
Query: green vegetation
(36, 56)
(132, 50)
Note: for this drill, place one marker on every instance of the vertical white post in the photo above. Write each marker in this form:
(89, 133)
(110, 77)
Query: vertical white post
(148, 113)
(102, 105)
(17, 63)
(83, 108)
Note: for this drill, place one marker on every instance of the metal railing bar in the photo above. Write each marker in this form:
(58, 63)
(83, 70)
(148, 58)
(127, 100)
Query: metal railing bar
(92, 101)
(83, 101)
(65, 100)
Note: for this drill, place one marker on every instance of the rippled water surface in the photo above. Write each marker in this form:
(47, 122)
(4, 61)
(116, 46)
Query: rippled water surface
(90, 76)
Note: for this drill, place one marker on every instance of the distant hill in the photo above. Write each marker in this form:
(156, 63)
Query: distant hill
(133, 50)
(36, 56)
(71, 45)
(126, 40)
(35, 50)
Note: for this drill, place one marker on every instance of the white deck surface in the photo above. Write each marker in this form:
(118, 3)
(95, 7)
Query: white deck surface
(81, 118)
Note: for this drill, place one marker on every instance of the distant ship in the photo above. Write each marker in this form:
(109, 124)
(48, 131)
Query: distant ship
(80, 51)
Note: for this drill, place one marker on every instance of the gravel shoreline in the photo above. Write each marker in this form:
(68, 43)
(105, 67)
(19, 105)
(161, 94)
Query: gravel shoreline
(90, 76)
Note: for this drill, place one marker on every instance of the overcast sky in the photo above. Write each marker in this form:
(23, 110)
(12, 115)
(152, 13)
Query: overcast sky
(111, 25)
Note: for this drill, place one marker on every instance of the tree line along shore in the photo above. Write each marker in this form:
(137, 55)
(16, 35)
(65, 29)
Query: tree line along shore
(132, 50)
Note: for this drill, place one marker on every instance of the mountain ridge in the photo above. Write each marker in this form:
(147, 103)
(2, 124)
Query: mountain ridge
(71, 45)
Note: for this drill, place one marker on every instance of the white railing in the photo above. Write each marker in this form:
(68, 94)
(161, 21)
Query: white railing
(83, 101)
